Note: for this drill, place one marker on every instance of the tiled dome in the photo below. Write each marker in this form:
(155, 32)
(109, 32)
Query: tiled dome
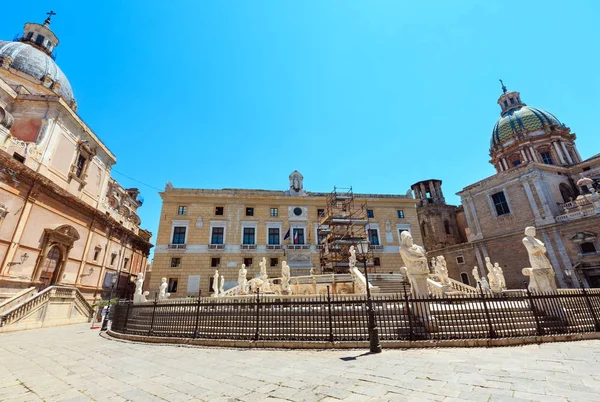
(523, 119)
(33, 62)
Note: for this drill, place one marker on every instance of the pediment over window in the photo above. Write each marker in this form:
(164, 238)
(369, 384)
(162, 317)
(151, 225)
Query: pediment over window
(583, 237)
(65, 235)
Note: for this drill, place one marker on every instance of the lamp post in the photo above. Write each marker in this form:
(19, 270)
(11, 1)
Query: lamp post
(113, 281)
(374, 345)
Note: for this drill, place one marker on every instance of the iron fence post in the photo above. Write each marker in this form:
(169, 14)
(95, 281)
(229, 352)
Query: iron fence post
(256, 333)
(589, 304)
(538, 326)
(151, 331)
(330, 317)
(197, 316)
(410, 323)
(487, 313)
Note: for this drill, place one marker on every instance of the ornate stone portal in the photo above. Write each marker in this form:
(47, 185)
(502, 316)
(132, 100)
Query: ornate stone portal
(60, 239)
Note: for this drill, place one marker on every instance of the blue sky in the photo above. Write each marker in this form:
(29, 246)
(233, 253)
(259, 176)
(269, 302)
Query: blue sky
(372, 94)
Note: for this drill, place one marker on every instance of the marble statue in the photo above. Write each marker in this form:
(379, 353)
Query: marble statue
(352, 258)
(541, 273)
(242, 280)
(499, 275)
(162, 289)
(263, 283)
(222, 285)
(485, 286)
(139, 283)
(143, 297)
(433, 266)
(442, 270)
(493, 280)
(216, 284)
(475, 273)
(285, 278)
(263, 269)
(417, 268)
(312, 271)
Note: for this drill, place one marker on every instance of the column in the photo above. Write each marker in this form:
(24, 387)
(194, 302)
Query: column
(423, 193)
(475, 218)
(555, 265)
(438, 188)
(86, 250)
(16, 238)
(470, 222)
(433, 192)
(559, 153)
(500, 166)
(577, 154)
(542, 197)
(505, 163)
(531, 200)
(567, 155)
(562, 251)
(533, 155)
(524, 155)
(480, 263)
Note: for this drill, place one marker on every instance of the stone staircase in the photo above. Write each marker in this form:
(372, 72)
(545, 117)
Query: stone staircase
(55, 305)
(390, 283)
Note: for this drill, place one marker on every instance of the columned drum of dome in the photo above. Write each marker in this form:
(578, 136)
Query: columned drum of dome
(525, 134)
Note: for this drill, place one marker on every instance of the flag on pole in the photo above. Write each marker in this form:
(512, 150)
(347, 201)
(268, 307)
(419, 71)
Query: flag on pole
(287, 235)
(296, 237)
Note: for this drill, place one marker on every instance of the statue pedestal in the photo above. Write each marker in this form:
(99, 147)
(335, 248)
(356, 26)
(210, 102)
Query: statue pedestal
(541, 280)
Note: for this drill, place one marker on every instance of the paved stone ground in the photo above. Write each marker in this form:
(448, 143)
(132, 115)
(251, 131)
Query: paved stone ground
(75, 364)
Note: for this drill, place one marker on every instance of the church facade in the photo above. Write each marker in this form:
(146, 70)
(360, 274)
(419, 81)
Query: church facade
(63, 219)
(203, 230)
(541, 181)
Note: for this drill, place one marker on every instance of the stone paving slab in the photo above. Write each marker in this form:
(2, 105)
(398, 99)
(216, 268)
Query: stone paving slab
(73, 363)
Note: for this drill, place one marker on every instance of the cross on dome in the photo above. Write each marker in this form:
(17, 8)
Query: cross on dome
(49, 14)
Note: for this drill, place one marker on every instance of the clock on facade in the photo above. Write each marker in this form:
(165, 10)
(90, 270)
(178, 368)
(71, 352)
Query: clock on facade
(297, 211)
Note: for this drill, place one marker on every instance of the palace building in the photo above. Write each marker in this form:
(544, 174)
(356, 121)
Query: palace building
(63, 219)
(541, 181)
(202, 230)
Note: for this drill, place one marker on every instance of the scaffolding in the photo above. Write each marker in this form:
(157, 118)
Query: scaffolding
(343, 223)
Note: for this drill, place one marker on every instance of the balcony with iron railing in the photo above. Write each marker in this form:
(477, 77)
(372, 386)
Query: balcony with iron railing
(177, 246)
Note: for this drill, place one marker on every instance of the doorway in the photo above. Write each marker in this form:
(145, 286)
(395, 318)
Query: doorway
(50, 267)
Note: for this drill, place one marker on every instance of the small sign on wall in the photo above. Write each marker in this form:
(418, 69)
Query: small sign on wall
(193, 285)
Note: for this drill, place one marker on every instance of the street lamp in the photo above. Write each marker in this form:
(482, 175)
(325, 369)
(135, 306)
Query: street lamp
(113, 281)
(374, 345)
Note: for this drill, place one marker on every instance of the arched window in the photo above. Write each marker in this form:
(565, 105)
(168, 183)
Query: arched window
(464, 278)
(566, 191)
(447, 227)
(514, 159)
(587, 247)
(424, 229)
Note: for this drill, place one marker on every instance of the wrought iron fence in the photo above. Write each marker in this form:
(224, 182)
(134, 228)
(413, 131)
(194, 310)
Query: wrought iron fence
(336, 318)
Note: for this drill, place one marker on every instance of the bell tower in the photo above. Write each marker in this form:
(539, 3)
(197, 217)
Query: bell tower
(437, 220)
